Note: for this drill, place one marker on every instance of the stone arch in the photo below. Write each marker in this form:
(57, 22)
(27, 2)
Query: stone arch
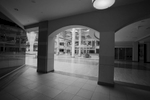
(133, 21)
(50, 51)
(95, 32)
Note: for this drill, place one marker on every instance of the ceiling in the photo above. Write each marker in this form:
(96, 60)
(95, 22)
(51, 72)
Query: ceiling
(27, 12)
(33, 11)
(138, 31)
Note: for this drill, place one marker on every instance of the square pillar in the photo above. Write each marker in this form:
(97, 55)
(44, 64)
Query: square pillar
(95, 45)
(57, 39)
(106, 59)
(50, 53)
(73, 43)
(148, 52)
(79, 54)
(135, 51)
(42, 47)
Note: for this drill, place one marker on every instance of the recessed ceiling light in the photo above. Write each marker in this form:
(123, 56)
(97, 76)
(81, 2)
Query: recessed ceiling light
(16, 9)
(102, 4)
(147, 28)
(143, 21)
(138, 27)
(33, 1)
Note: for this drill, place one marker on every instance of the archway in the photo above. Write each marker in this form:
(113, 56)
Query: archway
(80, 59)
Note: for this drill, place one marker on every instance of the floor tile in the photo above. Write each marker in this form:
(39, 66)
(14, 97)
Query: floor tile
(102, 89)
(7, 96)
(72, 89)
(52, 92)
(85, 93)
(60, 86)
(28, 95)
(41, 97)
(100, 96)
(33, 85)
(77, 84)
(12, 87)
(117, 98)
(42, 88)
(118, 92)
(18, 91)
(89, 87)
(91, 82)
(79, 98)
(64, 96)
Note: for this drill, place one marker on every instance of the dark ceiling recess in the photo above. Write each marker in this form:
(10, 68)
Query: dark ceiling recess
(6, 21)
(148, 28)
(2, 16)
(16, 9)
(33, 1)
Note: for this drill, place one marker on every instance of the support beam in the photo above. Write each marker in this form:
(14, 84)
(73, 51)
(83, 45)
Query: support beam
(106, 59)
(79, 54)
(50, 53)
(42, 47)
(148, 52)
(57, 50)
(135, 51)
(95, 46)
(73, 43)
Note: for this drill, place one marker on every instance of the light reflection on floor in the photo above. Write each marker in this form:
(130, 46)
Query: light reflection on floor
(129, 72)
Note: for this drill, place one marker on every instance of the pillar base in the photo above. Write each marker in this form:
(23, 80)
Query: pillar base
(45, 71)
(105, 84)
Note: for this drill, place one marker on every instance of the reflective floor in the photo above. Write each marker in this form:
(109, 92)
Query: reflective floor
(30, 85)
(127, 72)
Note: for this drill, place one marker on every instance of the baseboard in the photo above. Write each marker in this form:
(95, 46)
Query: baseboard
(105, 84)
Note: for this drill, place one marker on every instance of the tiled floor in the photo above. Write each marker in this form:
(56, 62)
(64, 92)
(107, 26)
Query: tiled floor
(127, 72)
(53, 86)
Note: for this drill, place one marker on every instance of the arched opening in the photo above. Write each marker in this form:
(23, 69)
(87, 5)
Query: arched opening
(132, 56)
(75, 50)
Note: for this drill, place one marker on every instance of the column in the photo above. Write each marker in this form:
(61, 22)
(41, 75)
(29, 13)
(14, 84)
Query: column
(4, 47)
(57, 47)
(118, 54)
(65, 45)
(73, 43)
(79, 54)
(148, 52)
(43, 48)
(50, 59)
(20, 45)
(106, 59)
(95, 45)
(135, 51)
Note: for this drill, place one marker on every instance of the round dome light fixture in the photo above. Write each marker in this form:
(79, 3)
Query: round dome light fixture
(102, 4)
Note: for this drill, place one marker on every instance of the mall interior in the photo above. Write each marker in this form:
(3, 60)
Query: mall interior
(68, 50)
